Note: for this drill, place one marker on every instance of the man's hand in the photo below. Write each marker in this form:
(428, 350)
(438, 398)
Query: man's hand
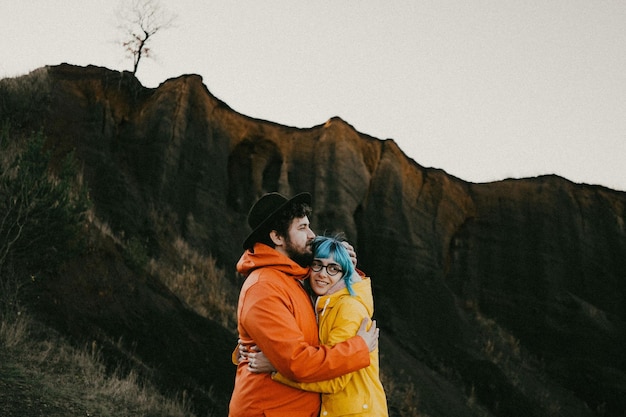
(369, 336)
(244, 352)
(258, 363)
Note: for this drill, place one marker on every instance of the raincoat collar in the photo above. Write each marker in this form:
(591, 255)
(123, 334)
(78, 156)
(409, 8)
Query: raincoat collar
(265, 256)
(363, 293)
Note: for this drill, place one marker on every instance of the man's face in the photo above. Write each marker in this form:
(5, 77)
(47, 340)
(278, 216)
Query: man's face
(298, 241)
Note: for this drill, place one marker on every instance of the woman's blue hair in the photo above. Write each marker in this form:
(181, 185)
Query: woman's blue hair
(331, 247)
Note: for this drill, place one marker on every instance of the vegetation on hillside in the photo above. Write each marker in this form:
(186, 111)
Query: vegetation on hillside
(42, 213)
(44, 224)
(44, 375)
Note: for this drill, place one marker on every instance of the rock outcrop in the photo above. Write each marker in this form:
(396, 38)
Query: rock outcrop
(503, 299)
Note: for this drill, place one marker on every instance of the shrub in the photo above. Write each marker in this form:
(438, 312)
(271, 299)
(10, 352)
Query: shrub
(41, 214)
(24, 99)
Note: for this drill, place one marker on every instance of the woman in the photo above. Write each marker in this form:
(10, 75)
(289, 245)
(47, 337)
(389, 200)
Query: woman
(342, 300)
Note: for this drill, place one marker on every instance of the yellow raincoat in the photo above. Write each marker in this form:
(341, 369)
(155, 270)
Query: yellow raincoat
(358, 393)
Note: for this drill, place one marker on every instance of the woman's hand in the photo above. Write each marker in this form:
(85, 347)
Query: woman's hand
(351, 252)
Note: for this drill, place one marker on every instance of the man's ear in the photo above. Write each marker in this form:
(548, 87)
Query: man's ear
(276, 238)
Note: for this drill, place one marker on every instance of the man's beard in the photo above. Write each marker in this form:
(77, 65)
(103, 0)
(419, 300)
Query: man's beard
(302, 257)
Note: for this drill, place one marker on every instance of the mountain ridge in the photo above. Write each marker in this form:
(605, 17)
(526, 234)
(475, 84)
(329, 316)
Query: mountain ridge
(494, 292)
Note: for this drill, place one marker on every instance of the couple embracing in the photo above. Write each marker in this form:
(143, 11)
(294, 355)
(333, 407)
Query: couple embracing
(304, 321)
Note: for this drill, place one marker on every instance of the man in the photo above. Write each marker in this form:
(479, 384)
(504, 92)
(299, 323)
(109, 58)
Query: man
(275, 313)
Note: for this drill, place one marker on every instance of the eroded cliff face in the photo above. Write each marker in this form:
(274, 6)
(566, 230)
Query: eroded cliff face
(542, 259)
(545, 258)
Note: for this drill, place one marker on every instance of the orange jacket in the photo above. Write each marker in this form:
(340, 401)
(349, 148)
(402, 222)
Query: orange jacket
(276, 314)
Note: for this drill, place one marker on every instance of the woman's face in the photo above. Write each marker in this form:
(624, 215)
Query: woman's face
(321, 280)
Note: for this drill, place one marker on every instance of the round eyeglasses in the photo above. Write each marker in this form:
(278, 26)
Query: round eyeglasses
(331, 269)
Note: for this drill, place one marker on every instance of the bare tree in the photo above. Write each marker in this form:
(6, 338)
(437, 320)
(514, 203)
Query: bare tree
(140, 21)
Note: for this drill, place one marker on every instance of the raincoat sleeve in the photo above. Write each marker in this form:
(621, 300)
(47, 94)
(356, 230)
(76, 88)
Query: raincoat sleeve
(329, 386)
(234, 357)
(345, 326)
(271, 323)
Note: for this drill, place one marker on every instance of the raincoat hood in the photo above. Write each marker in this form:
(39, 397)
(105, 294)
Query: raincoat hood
(263, 256)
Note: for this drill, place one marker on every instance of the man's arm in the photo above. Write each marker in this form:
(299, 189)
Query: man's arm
(346, 327)
(269, 321)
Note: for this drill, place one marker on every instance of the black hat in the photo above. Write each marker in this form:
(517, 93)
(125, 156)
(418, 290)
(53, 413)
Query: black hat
(264, 210)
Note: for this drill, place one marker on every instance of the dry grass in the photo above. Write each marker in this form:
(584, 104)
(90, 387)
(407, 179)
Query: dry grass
(42, 374)
(402, 397)
(193, 277)
(199, 283)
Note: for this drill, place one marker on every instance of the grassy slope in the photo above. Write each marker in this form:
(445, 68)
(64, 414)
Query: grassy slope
(41, 374)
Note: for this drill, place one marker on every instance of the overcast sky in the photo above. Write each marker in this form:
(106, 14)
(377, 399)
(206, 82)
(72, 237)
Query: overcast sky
(484, 90)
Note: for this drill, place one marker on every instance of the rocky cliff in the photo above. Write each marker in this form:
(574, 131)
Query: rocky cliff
(503, 299)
